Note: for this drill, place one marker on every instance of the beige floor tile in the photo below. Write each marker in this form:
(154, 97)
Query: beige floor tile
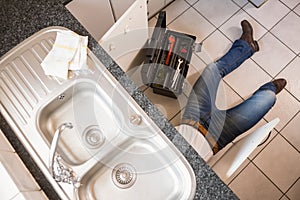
(176, 9)
(297, 9)
(291, 74)
(251, 184)
(8, 187)
(284, 198)
(280, 162)
(18, 172)
(191, 2)
(287, 30)
(232, 28)
(241, 3)
(168, 106)
(294, 191)
(273, 55)
(214, 47)
(266, 13)
(247, 78)
(214, 11)
(38, 195)
(290, 3)
(291, 132)
(175, 121)
(4, 143)
(285, 108)
(198, 26)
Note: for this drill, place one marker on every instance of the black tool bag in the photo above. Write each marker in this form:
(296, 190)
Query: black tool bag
(168, 54)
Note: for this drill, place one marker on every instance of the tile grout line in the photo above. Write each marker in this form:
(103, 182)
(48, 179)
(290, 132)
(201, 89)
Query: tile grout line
(267, 177)
(291, 187)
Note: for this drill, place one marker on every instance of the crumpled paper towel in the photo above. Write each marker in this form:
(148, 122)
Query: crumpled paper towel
(69, 52)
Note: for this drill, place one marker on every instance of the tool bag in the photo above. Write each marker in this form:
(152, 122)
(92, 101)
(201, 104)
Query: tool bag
(168, 54)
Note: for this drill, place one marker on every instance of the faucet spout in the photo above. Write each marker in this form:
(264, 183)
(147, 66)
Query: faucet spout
(54, 143)
(58, 170)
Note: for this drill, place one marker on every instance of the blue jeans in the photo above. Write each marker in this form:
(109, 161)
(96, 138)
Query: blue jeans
(225, 125)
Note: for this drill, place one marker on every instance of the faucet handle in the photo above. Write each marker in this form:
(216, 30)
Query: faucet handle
(62, 173)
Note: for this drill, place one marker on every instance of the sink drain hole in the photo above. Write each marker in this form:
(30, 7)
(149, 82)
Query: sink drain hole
(124, 175)
(93, 137)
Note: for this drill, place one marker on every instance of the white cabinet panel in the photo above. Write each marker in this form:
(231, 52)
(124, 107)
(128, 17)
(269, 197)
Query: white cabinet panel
(120, 6)
(128, 35)
(156, 5)
(95, 15)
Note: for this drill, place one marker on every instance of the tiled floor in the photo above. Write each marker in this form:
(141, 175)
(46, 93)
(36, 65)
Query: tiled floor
(272, 171)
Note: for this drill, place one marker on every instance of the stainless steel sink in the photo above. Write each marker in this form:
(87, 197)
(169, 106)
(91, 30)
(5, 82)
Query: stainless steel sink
(138, 169)
(89, 109)
(114, 148)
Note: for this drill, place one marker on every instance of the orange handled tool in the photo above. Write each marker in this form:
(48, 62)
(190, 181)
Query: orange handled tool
(172, 42)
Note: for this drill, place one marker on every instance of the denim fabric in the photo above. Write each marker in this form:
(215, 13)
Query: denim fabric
(226, 125)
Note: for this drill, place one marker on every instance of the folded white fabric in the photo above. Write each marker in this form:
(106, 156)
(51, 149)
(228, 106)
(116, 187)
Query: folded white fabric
(69, 52)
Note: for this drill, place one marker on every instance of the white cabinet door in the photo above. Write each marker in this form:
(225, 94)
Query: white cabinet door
(155, 6)
(128, 35)
(120, 6)
(95, 15)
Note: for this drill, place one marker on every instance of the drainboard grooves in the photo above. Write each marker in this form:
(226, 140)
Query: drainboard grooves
(38, 52)
(47, 46)
(27, 77)
(34, 67)
(51, 41)
(11, 102)
(17, 90)
(21, 83)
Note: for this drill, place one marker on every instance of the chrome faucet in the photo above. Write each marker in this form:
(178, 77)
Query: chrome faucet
(59, 171)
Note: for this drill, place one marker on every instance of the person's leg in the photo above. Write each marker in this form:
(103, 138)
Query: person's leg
(242, 117)
(201, 102)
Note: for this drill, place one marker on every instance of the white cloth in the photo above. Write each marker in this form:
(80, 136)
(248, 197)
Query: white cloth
(196, 140)
(69, 52)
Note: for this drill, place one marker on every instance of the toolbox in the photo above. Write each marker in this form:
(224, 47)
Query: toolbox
(168, 54)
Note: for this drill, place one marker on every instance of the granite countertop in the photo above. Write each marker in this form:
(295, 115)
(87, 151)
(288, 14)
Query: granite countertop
(20, 19)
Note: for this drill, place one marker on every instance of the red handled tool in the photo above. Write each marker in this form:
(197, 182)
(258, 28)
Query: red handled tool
(172, 42)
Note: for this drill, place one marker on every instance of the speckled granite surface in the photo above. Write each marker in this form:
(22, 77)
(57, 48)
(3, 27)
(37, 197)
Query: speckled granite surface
(20, 19)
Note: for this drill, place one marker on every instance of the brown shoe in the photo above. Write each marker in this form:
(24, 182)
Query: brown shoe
(279, 84)
(248, 35)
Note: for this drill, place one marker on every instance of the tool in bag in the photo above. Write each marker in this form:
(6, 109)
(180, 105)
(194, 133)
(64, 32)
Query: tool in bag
(168, 54)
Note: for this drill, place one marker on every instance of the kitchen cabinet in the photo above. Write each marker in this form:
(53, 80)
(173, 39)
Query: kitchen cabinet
(95, 15)
(128, 35)
(98, 16)
(154, 6)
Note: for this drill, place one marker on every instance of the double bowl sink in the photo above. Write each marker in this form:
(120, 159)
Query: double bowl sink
(114, 149)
